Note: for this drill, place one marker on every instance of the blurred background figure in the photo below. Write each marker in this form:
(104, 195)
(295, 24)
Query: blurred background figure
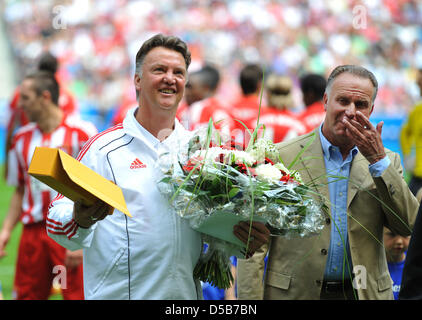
(17, 117)
(280, 122)
(127, 104)
(38, 255)
(247, 104)
(395, 249)
(202, 83)
(245, 109)
(198, 87)
(411, 141)
(204, 103)
(313, 88)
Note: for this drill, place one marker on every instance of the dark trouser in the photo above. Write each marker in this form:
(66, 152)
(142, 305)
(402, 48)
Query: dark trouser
(338, 290)
(415, 184)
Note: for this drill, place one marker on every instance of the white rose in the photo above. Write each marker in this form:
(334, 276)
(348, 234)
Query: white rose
(268, 172)
(243, 157)
(211, 154)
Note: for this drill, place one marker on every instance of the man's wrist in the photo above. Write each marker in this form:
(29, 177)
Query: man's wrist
(82, 226)
(377, 168)
(6, 232)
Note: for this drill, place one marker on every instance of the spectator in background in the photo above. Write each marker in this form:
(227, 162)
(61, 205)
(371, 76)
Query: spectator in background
(201, 84)
(197, 89)
(203, 91)
(246, 107)
(119, 115)
(313, 88)
(38, 254)
(17, 117)
(395, 248)
(411, 136)
(100, 37)
(280, 122)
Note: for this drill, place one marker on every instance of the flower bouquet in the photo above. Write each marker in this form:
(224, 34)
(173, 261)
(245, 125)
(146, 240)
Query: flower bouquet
(215, 184)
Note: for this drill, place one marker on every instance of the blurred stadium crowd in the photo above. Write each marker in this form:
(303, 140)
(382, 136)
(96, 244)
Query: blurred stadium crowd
(96, 41)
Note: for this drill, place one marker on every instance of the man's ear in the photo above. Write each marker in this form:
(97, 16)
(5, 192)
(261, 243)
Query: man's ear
(325, 100)
(372, 108)
(46, 95)
(137, 82)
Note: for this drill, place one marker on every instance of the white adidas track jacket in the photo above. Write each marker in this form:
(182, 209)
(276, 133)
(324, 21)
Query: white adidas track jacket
(148, 256)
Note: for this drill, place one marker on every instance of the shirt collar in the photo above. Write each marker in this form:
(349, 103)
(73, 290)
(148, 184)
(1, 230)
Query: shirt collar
(134, 128)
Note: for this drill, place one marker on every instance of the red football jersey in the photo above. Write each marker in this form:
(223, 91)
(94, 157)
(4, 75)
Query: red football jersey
(199, 113)
(313, 116)
(280, 125)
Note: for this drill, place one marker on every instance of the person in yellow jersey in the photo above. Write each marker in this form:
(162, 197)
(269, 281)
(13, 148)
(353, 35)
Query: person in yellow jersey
(411, 136)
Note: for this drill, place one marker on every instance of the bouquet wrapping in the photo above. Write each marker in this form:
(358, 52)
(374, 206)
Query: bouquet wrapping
(215, 184)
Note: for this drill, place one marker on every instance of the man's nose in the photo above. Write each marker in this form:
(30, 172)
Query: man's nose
(351, 110)
(169, 78)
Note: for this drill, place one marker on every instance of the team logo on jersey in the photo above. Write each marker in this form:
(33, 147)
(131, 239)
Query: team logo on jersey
(137, 164)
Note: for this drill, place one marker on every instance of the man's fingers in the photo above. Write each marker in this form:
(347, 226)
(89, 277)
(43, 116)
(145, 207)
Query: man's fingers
(259, 226)
(88, 215)
(240, 233)
(379, 127)
(364, 121)
(259, 231)
(352, 132)
(100, 210)
(257, 235)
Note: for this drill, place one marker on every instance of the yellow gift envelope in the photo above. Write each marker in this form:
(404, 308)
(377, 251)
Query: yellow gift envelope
(74, 180)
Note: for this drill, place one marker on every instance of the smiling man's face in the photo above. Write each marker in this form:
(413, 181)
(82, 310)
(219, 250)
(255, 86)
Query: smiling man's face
(163, 80)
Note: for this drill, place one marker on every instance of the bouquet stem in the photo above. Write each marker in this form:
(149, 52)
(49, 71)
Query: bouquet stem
(215, 269)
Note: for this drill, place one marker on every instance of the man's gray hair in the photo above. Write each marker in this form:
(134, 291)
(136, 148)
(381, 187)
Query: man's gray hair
(355, 70)
(160, 40)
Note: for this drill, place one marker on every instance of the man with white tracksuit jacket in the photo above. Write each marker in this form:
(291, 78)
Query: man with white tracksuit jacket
(151, 255)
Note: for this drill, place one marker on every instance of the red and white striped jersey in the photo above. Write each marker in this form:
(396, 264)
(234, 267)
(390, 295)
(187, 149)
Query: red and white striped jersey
(69, 136)
(280, 125)
(198, 115)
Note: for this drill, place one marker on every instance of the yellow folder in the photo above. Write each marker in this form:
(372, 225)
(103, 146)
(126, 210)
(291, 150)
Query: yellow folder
(74, 180)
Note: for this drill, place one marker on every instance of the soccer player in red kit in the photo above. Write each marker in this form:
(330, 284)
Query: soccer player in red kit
(202, 88)
(39, 256)
(313, 88)
(280, 122)
(17, 117)
(245, 109)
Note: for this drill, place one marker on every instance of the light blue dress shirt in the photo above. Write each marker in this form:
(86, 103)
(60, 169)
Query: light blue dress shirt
(339, 263)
